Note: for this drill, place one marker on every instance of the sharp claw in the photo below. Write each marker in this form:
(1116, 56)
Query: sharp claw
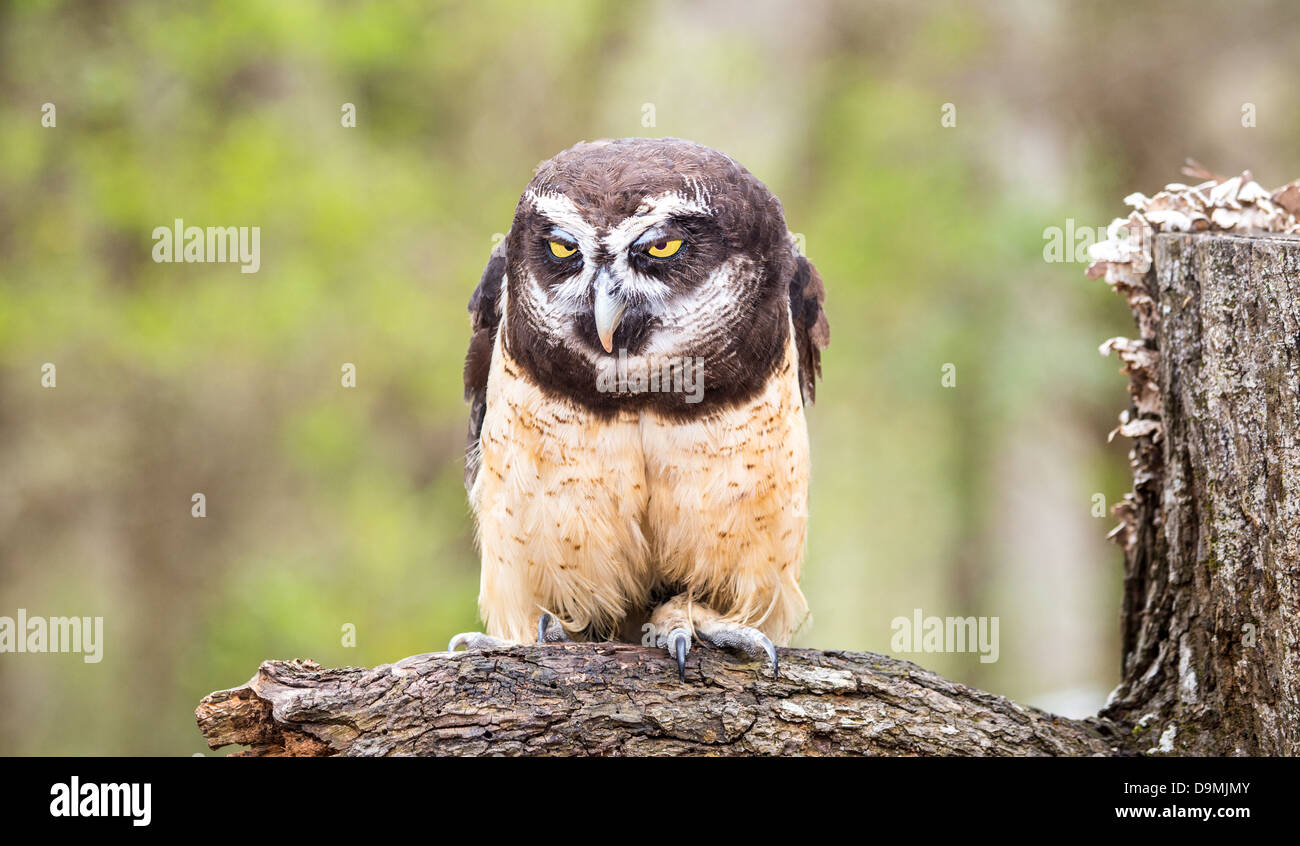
(542, 625)
(678, 643)
(756, 640)
(749, 640)
(458, 641)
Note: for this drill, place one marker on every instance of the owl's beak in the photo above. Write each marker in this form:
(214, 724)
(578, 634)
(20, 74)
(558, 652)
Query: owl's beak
(609, 309)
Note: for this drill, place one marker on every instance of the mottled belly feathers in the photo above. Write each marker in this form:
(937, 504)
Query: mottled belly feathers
(589, 517)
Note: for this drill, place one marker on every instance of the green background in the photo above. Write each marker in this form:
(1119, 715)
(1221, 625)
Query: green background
(328, 506)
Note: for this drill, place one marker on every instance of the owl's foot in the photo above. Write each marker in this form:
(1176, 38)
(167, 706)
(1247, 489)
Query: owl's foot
(671, 624)
(746, 639)
(477, 640)
(676, 620)
(549, 630)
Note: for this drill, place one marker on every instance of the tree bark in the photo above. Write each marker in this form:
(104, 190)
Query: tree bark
(621, 699)
(1211, 533)
(1210, 618)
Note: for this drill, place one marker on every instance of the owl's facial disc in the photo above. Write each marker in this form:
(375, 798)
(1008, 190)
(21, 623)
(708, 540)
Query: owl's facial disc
(612, 278)
(632, 252)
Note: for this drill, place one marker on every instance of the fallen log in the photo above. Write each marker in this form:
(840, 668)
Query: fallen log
(622, 699)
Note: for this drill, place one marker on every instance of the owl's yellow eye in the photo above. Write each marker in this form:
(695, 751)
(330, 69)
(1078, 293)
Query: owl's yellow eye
(561, 250)
(665, 249)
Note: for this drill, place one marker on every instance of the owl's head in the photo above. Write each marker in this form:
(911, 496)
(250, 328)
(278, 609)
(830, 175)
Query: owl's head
(645, 250)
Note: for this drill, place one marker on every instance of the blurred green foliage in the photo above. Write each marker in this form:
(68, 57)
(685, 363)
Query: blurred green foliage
(328, 506)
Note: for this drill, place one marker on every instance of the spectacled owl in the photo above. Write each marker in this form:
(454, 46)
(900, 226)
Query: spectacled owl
(645, 340)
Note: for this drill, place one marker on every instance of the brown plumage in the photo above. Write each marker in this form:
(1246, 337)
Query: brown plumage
(611, 489)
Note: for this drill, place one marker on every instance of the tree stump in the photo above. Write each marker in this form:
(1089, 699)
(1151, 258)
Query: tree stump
(1211, 533)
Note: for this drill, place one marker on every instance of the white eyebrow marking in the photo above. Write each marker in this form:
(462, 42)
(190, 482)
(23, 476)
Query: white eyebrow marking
(561, 211)
(572, 294)
(651, 236)
(654, 211)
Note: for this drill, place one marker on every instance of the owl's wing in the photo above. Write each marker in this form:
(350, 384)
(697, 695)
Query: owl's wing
(812, 333)
(485, 317)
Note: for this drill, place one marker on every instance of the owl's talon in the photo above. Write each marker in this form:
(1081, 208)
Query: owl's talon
(549, 630)
(745, 639)
(476, 640)
(678, 643)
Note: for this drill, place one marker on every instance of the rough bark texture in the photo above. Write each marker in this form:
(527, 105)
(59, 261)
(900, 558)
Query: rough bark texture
(1211, 613)
(618, 699)
(1212, 530)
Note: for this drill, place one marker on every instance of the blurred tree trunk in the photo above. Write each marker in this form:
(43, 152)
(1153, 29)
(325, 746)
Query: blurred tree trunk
(1211, 532)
